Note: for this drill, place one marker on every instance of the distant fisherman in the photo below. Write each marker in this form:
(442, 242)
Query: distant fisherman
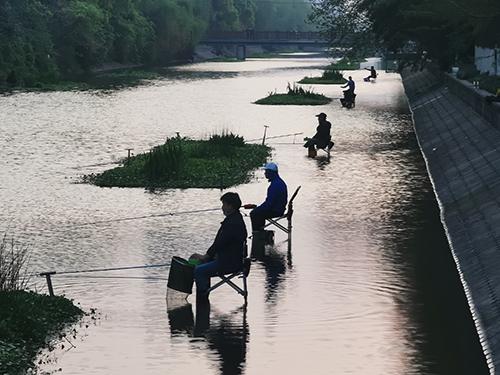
(322, 138)
(349, 96)
(373, 74)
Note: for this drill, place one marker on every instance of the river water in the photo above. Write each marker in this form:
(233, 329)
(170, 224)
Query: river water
(368, 287)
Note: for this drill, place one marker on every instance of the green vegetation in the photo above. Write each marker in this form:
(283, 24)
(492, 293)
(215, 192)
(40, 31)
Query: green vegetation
(13, 260)
(329, 77)
(44, 42)
(295, 95)
(488, 83)
(224, 59)
(446, 29)
(27, 319)
(345, 64)
(219, 162)
(271, 55)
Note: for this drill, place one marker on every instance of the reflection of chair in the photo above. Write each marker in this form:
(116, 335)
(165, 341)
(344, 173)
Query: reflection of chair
(288, 216)
(227, 279)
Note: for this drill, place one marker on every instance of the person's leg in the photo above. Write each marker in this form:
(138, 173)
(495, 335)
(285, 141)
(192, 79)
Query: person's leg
(258, 219)
(202, 275)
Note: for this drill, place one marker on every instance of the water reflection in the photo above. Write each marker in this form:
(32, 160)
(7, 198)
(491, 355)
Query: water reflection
(275, 263)
(227, 334)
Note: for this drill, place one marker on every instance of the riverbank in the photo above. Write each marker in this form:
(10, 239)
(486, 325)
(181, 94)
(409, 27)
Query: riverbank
(28, 321)
(458, 134)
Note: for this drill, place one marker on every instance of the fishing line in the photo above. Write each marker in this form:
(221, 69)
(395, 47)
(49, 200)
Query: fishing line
(145, 217)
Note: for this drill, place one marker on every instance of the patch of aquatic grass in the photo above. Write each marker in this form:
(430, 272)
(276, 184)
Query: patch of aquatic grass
(345, 64)
(221, 161)
(167, 159)
(27, 323)
(14, 258)
(106, 80)
(295, 95)
(224, 59)
(329, 77)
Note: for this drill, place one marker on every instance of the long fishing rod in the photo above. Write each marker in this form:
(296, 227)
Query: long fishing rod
(275, 136)
(145, 217)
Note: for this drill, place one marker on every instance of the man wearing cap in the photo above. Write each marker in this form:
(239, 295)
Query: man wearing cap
(322, 138)
(275, 202)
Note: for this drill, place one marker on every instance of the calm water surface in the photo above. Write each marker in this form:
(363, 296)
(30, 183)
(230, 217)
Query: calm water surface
(369, 286)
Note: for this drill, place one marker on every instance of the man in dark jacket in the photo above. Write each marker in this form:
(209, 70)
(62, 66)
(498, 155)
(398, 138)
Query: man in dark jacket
(322, 138)
(275, 202)
(229, 247)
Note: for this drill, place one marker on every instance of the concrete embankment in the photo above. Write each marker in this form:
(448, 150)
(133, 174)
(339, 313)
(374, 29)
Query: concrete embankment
(459, 135)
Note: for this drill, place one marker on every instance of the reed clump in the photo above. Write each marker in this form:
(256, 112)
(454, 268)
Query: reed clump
(14, 258)
(329, 77)
(295, 95)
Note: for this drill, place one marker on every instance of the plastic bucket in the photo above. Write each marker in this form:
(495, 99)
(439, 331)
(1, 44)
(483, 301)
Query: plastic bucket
(181, 275)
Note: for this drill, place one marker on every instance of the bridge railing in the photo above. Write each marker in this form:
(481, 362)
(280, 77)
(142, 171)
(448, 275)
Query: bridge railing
(263, 35)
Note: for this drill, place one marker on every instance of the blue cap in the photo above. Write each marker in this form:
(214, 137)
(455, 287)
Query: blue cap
(271, 167)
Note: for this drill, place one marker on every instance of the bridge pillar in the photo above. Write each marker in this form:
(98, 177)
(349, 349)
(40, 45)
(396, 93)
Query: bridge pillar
(241, 52)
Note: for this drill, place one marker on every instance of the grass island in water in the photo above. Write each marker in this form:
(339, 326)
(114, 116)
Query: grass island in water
(329, 77)
(219, 162)
(295, 96)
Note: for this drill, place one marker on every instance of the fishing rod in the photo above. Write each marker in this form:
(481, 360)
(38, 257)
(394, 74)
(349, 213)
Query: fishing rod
(145, 217)
(275, 136)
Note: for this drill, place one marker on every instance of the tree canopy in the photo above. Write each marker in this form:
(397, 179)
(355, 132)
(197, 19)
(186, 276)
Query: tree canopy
(44, 40)
(447, 29)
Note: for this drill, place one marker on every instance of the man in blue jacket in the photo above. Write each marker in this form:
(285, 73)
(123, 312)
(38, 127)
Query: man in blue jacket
(228, 249)
(275, 202)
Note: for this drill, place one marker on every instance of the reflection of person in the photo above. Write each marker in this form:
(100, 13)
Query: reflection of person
(275, 203)
(228, 249)
(373, 74)
(322, 138)
(226, 337)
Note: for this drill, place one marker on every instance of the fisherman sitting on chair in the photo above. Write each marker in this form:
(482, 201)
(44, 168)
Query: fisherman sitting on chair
(373, 74)
(349, 99)
(322, 138)
(275, 203)
(228, 249)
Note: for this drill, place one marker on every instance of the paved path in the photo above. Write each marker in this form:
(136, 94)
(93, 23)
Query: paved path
(463, 159)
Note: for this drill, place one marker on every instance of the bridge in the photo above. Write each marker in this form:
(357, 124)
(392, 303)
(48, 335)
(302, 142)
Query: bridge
(242, 39)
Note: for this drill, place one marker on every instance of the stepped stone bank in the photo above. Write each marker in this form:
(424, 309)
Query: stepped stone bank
(459, 135)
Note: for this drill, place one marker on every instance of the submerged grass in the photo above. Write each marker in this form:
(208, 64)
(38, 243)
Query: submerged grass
(295, 95)
(27, 322)
(27, 319)
(329, 77)
(219, 162)
(14, 258)
(345, 64)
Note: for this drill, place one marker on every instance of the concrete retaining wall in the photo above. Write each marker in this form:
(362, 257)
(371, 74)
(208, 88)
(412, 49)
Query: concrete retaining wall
(462, 153)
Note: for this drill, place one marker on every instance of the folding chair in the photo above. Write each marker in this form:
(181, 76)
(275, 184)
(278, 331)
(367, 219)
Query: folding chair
(288, 215)
(227, 279)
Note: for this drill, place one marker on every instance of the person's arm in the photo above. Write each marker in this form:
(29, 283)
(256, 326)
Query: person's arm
(271, 196)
